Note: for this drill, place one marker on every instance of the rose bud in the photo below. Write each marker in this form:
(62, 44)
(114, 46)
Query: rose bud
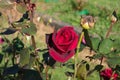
(62, 43)
(87, 22)
(108, 73)
(114, 17)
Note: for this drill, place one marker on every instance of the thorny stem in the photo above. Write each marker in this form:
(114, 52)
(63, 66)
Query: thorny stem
(76, 56)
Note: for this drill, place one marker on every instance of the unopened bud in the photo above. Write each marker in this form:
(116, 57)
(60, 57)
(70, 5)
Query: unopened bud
(114, 17)
(87, 22)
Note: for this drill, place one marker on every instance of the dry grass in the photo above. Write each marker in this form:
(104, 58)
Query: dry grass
(86, 52)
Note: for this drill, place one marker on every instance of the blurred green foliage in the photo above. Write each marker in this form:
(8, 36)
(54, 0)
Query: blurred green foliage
(102, 10)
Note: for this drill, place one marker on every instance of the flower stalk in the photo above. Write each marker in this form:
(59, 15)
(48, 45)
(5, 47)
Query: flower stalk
(109, 30)
(86, 23)
(76, 55)
(31, 13)
(114, 19)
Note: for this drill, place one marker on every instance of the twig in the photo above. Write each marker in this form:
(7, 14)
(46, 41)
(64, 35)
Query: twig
(109, 30)
(33, 42)
(101, 60)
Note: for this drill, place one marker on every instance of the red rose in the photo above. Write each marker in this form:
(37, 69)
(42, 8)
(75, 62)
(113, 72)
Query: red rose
(62, 44)
(107, 74)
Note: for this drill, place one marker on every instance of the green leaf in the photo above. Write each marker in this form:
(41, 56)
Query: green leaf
(31, 75)
(24, 18)
(8, 31)
(24, 57)
(17, 44)
(21, 8)
(82, 72)
(117, 44)
(31, 30)
(59, 73)
(11, 70)
(97, 56)
(87, 38)
(20, 24)
(4, 21)
(98, 67)
(113, 61)
(94, 76)
(105, 46)
(95, 43)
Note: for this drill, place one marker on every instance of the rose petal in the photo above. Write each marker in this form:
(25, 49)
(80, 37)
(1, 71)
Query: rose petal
(55, 44)
(64, 38)
(59, 57)
(74, 43)
(107, 73)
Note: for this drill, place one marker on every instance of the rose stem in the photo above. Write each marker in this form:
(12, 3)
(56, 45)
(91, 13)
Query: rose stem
(32, 37)
(101, 60)
(107, 34)
(33, 40)
(109, 30)
(76, 55)
(46, 71)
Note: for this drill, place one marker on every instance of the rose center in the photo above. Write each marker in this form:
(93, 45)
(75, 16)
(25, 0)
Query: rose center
(64, 38)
